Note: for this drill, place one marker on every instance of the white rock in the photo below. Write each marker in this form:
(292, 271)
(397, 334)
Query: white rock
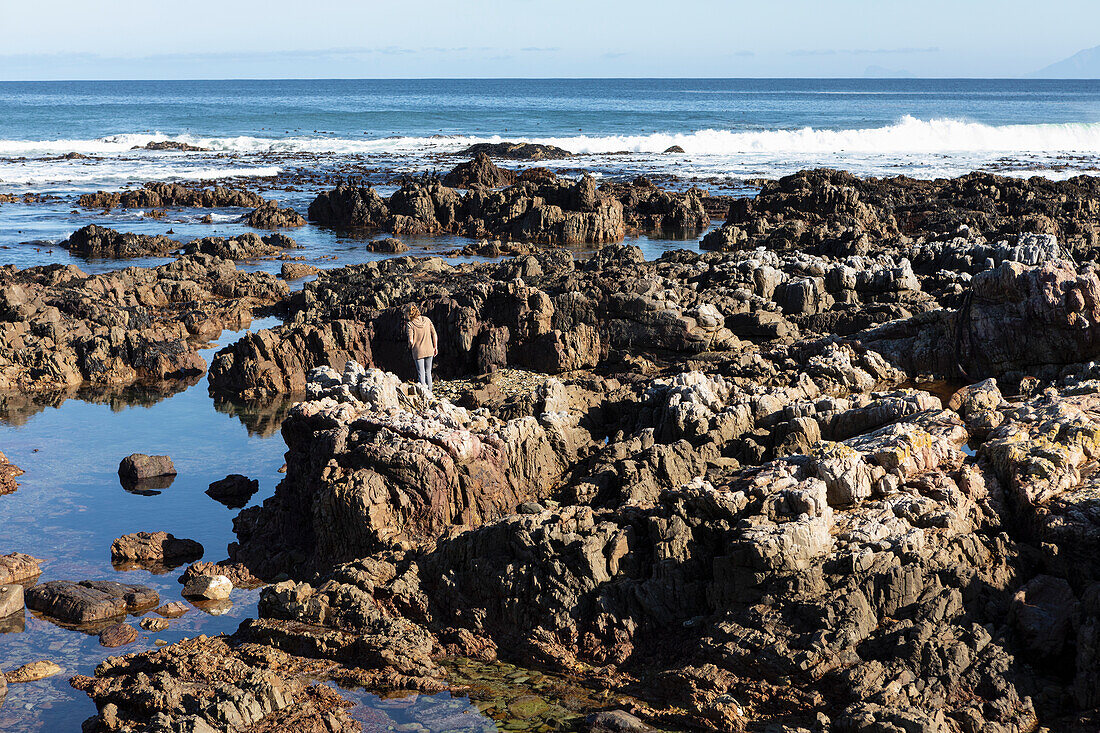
(208, 587)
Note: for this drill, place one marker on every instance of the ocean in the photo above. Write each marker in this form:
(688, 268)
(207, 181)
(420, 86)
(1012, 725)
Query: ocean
(728, 128)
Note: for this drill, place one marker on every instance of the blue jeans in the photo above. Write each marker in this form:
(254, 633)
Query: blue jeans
(424, 371)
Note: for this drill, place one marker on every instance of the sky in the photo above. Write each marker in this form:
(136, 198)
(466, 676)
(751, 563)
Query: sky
(121, 39)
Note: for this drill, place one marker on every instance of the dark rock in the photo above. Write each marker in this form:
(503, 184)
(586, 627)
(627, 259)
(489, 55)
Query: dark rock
(270, 216)
(89, 601)
(674, 149)
(479, 172)
(389, 245)
(138, 466)
(100, 242)
(246, 246)
(616, 721)
(118, 635)
(517, 151)
(154, 550)
(297, 270)
(157, 195)
(170, 145)
(239, 575)
(234, 490)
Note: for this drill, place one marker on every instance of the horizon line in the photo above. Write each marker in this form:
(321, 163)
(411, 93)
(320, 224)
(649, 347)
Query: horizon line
(562, 78)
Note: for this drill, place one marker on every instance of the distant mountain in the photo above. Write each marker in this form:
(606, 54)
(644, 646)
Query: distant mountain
(1081, 65)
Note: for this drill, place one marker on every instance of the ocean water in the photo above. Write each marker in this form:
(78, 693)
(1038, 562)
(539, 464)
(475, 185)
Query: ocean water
(728, 128)
(291, 138)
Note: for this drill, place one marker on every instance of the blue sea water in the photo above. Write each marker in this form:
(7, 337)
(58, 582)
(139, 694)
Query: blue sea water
(290, 138)
(728, 127)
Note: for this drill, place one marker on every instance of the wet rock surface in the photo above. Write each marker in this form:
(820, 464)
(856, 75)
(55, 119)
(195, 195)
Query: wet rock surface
(517, 151)
(100, 242)
(270, 216)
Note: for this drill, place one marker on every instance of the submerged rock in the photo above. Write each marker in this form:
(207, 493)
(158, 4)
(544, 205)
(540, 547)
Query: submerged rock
(118, 635)
(32, 672)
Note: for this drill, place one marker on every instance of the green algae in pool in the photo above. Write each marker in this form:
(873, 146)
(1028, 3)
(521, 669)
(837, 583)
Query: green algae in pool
(486, 697)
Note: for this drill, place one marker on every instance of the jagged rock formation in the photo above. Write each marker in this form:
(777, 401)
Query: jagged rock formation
(60, 328)
(479, 171)
(836, 213)
(246, 246)
(552, 212)
(158, 195)
(97, 241)
(517, 151)
(269, 216)
(648, 207)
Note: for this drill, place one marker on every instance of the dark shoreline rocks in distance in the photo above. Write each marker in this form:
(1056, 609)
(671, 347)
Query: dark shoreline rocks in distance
(543, 209)
(517, 151)
(157, 195)
(171, 145)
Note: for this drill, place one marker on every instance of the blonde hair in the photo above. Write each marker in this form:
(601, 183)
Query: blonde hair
(414, 312)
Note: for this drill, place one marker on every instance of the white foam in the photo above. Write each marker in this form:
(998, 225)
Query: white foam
(109, 172)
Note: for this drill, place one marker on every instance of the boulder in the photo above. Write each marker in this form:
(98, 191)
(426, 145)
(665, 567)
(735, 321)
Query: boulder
(234, 490)
(270, 216)
(516, 151)
(297, 270)
(479, 172)
(118, 635)
(139, 466)
(16, 567)
(154, 549)
(89, 601)
(32, 672)
(208, 588)
(389, 245)
(11, 599)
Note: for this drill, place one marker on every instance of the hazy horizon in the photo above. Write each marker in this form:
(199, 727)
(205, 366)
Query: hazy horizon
(62, 40)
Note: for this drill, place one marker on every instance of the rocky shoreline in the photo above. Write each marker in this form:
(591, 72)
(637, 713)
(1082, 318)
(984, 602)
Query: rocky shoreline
(835, 473)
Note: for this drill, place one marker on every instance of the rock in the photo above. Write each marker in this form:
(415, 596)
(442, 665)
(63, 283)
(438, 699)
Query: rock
(118, 635)
(1043, 612)
(553, 212)
(270, 216)
(237, 573)
(479, 172)
(674, 149)
(8, 473)
(208, 587)
(151, 623)
(234, 490)
(206, 684)
(17, 567)
(154, 549)
(516, 151)
(246, 246)
(32, 672)
(156, 195)
(100, 242)
(11, 599)
(175, 609)
(89, 601)
(139, 466)
(297, 270)
(61, 329)
(170, 145)
(389, 245)
(616, 721)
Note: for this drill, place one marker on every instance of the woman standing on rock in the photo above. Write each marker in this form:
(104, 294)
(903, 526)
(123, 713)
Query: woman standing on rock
(422, 341)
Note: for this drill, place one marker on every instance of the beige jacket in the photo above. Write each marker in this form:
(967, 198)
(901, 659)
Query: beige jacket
(421, 335)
